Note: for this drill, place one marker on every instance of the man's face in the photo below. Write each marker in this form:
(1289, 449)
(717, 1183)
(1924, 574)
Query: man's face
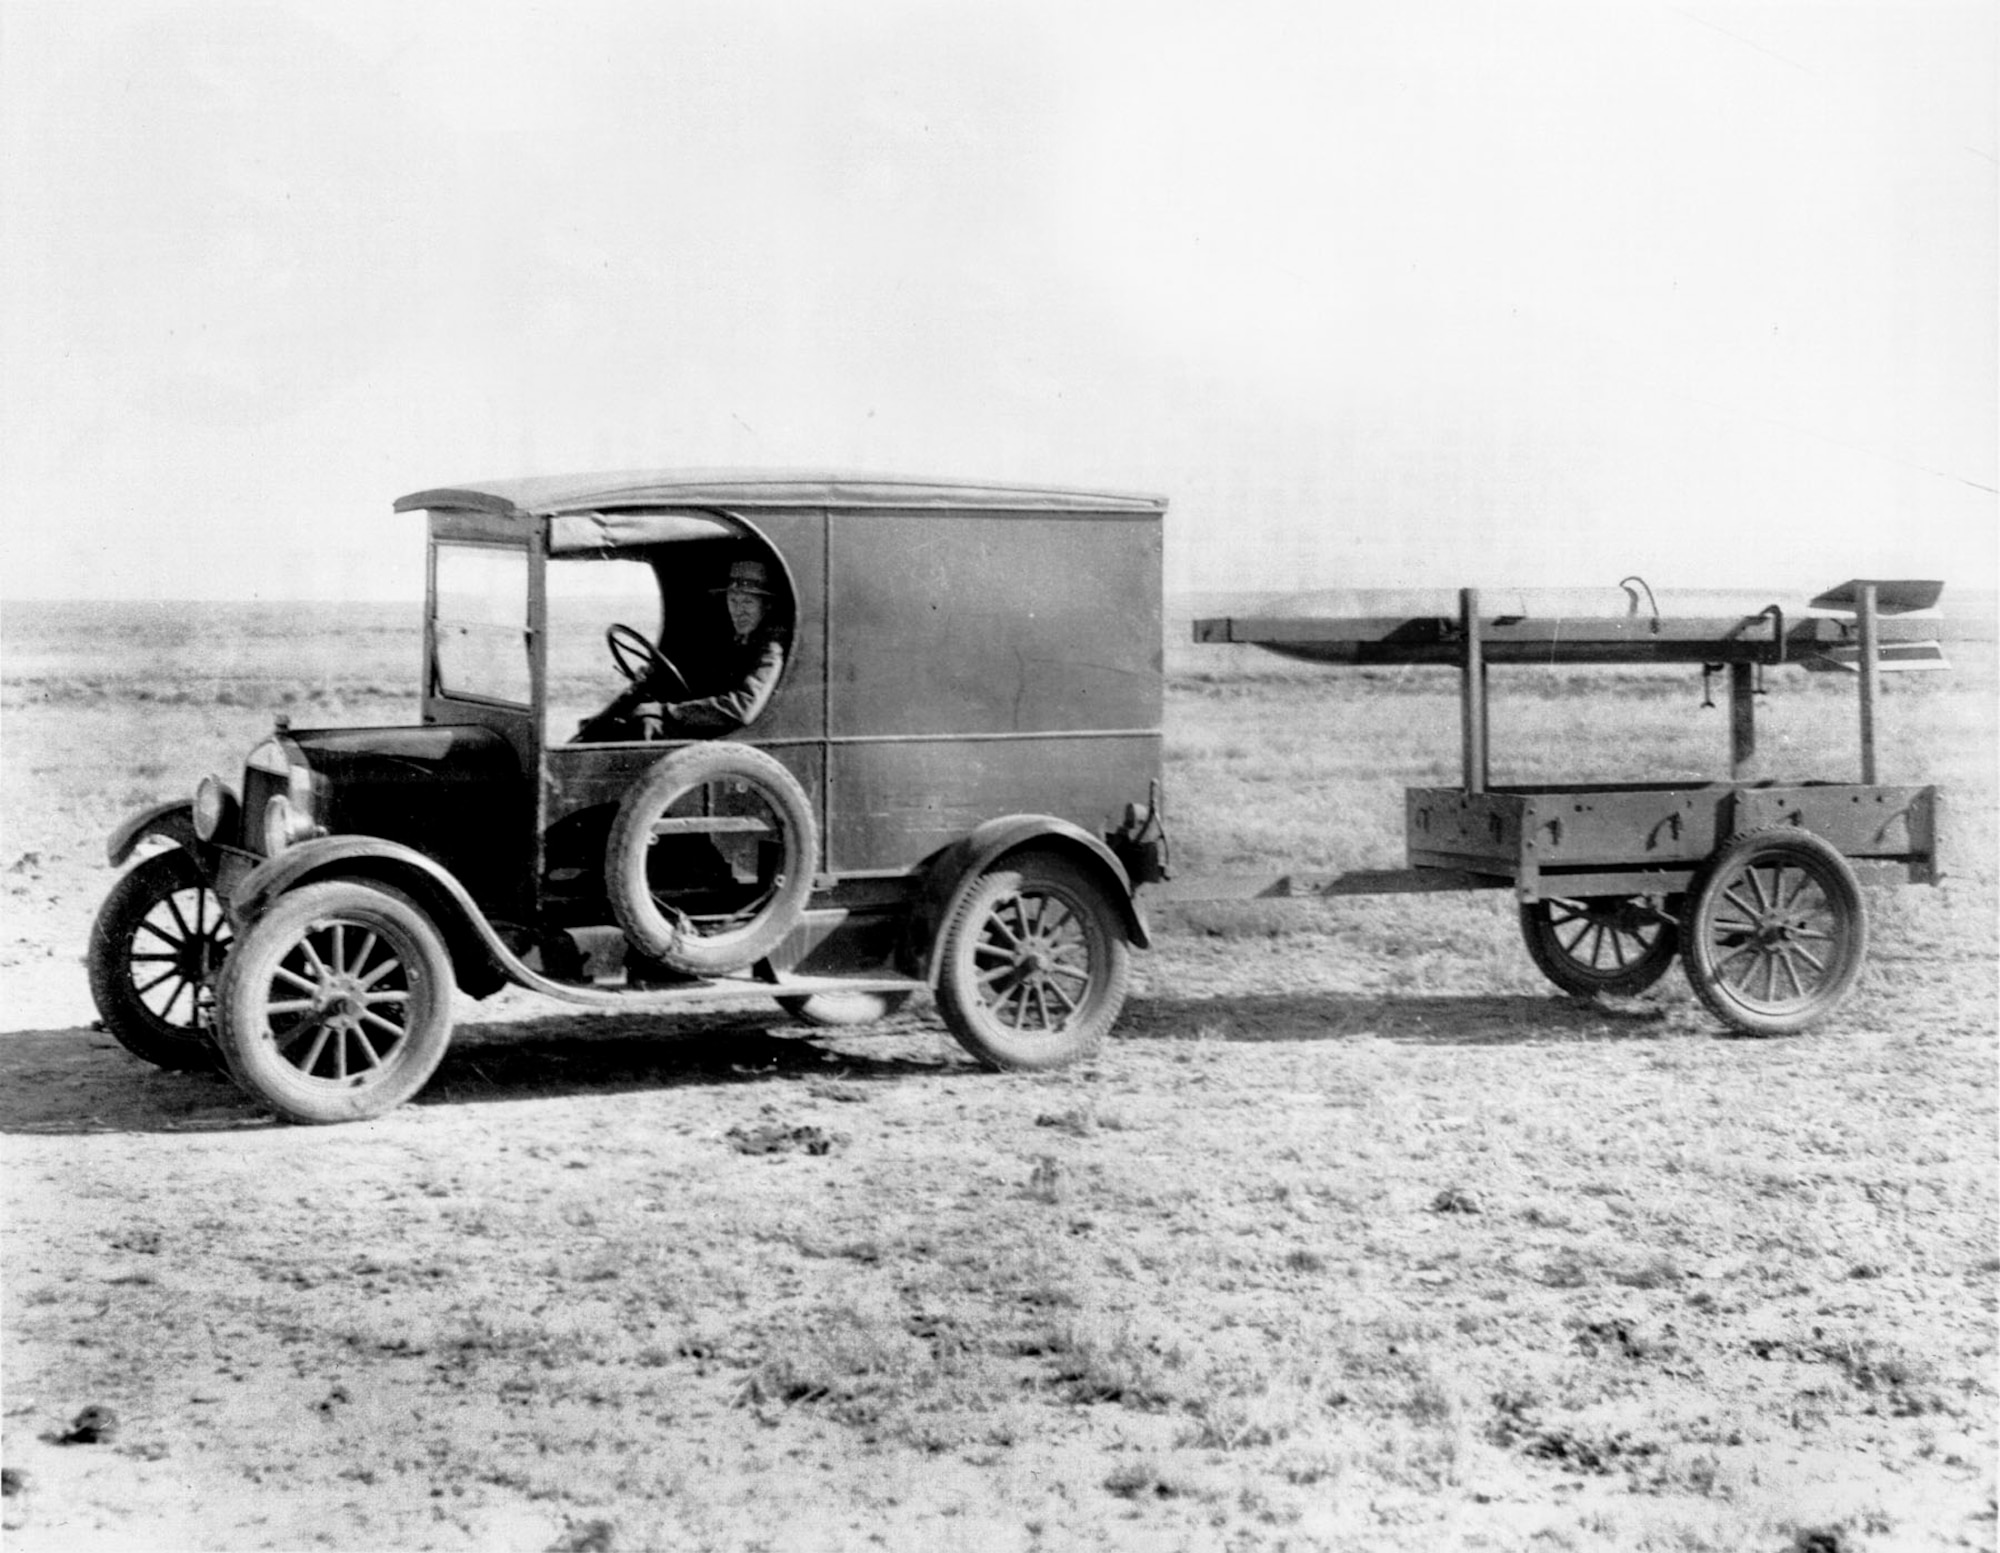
(746, 610)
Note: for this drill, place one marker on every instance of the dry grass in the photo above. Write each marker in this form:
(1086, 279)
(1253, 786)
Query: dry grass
(1360, 1237)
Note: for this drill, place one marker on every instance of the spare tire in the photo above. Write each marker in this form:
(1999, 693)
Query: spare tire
(710, 860)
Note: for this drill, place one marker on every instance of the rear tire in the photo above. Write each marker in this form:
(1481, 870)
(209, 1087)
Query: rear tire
(336, 1004)
(155, 948)
(1035, 965)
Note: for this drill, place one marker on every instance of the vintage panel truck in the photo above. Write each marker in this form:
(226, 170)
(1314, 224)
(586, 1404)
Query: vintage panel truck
(950, 785)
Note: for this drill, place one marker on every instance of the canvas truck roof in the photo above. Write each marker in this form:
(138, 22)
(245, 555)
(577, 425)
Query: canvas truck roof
(546, 496)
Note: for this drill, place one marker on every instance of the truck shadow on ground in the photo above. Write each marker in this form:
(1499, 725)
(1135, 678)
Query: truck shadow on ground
(79, 1081)
(579, 1054)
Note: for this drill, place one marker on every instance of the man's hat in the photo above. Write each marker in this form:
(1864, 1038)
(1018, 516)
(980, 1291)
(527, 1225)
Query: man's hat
(748, 577)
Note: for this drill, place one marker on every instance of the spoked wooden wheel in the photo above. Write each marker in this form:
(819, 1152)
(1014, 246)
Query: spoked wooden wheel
(336, 1005)
(1035, 965)
(155, 948)
(1776, 934)
(1611, 944)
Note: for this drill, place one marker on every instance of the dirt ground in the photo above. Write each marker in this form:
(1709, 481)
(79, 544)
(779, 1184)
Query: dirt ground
(1357, 1236)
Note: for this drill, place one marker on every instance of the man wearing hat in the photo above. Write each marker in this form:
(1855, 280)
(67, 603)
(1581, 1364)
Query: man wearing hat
(746, 668)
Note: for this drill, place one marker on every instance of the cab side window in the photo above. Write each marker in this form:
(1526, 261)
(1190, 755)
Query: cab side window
(586, 597)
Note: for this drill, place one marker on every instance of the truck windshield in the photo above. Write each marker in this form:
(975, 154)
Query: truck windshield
(479, 622)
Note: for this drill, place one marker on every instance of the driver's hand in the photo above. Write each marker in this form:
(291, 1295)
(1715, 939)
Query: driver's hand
(651, 723)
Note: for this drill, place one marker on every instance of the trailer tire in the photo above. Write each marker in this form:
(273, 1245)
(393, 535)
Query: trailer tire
(1606, 944)
(742, 930)
(1775, 932)
(1035, 931)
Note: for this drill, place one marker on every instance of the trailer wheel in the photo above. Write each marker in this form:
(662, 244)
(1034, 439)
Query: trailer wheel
(844, 1010)
(335, 1005)
(1775, 933)
(158, 940)
(1608, 944)
(1035, 965)
(709, 862)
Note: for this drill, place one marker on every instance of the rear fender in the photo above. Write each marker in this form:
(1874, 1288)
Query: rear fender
(171, 822)
(479, 955)
(959, 867)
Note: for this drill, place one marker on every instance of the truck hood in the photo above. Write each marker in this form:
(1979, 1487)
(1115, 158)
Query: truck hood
(435, 753)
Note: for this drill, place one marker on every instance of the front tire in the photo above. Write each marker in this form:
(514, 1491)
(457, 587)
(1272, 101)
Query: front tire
(1035, 965)
(158, 940)
(1776, 932)
(336, 1004)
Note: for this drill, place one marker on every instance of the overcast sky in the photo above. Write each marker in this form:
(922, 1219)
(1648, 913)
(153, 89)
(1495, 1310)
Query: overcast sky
(1377, 293)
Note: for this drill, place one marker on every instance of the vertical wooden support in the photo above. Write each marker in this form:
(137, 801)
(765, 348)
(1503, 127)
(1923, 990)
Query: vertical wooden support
(1742, 719)
(538, 697)
(1472, 691)
(1871, 680)
(824, 862)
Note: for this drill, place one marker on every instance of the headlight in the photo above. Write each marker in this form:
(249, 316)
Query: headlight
(284, 823)
(215, 809)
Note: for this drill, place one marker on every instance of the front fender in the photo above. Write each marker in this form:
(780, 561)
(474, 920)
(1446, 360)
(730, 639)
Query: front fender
(172, 822)
(324, 855)
(955, 871)
(482, 957)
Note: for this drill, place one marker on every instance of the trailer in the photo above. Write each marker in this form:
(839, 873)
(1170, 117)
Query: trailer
(1754, 885)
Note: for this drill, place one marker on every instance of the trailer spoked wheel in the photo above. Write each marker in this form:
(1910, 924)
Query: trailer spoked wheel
(336, 1004)
(1776, 932)
(1035, 964)
(155, 947)
(709, 863)
(1609, 944)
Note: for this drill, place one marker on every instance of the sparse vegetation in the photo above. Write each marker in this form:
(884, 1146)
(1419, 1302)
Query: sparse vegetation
(1360, 1237)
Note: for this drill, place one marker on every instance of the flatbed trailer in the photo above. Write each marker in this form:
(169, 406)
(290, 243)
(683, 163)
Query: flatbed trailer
(1754, 885)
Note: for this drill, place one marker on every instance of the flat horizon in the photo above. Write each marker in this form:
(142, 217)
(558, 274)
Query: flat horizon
(1956, 600)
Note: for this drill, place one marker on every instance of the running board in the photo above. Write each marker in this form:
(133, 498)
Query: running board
(715, 989)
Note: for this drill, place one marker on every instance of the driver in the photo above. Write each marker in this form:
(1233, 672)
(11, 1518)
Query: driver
(746, 668)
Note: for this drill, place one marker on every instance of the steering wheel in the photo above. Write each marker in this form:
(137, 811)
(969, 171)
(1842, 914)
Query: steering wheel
(638, 659)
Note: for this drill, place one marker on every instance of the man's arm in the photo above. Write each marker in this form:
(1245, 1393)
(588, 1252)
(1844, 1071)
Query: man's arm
(735, 708)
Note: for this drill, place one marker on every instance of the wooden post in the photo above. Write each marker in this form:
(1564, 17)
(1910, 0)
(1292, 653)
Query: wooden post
(1871, 680)
(1742, 719)
(1472, 691)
